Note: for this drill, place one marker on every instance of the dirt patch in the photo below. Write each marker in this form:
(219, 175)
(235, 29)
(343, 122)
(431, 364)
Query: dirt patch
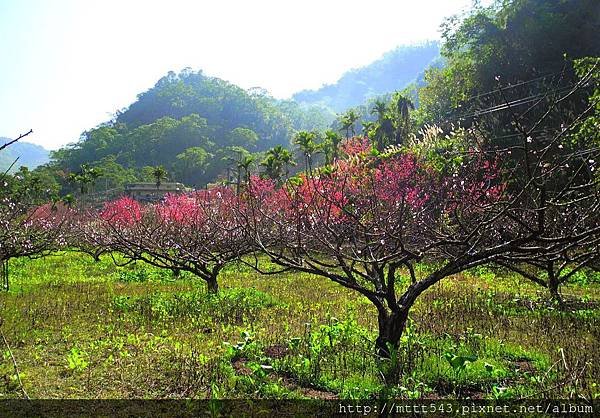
(443, 389)
(276, 351)
(524, 366)
(578, 304)
(309, 392)
(240, 367)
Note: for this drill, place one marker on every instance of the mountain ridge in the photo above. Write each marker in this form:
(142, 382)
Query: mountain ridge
(395, 70)
(29, 155)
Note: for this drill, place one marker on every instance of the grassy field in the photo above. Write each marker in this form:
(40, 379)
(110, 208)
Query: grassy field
(84, 329)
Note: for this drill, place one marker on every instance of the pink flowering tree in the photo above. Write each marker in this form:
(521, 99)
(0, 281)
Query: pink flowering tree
(199, 233)
(31, 232)
(27, 230)
(367, 220)
(88, 233)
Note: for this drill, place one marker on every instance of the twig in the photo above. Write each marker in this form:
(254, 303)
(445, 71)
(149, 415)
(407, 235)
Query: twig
(8, 169)
(562, 353)
(15, 140)
(574, 376)
(15, 366)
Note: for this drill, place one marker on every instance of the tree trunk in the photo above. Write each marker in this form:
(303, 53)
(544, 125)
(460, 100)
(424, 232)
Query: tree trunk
(391, 327)
(554, 293)
(4, 274)
(553, 285)
(212, 285)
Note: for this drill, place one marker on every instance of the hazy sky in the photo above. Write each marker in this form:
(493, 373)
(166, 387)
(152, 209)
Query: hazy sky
(68, 65)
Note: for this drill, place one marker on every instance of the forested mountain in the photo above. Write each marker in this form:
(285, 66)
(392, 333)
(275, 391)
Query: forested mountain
(394, 71)
(29, 155)
(203, 128)
(195, 126)
(515, 55)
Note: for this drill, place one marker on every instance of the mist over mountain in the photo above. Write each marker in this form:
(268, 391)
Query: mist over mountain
(28, 154)
(394, 71)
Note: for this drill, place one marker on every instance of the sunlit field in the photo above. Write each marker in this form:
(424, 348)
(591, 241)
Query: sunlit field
(84, 329)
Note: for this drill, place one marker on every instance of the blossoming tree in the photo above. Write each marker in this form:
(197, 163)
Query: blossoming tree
(199, 233)
(30, 232)
(366, 221)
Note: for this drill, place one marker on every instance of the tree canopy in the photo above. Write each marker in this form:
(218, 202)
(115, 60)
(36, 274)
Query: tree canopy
(186, 123)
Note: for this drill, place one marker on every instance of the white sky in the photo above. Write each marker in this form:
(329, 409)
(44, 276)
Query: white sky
(68, 65)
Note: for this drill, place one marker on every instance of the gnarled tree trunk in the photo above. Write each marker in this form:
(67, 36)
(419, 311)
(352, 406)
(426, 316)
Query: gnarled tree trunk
(212, 285)
(391, 326)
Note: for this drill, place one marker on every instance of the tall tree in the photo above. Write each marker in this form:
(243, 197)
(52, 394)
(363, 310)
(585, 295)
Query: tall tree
(306, 142)
(277, 162)
(330, 146)
(402, 106)
(159, 173)
(347, 121)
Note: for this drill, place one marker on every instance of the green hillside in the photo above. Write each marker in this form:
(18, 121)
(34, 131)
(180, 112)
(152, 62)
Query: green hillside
(193, 125)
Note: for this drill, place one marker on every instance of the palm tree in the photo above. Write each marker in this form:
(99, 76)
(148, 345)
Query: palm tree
(347, 121)
(331, 145)
(380, 108)
(159, 173)
(94, 174)
(244, 165)
(383, 129)
(241, 160)
(306, 142)
(276, 158)
(403, 107)
(272, 167)
(287, 158)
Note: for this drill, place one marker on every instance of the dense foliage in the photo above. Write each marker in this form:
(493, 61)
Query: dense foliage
(527, 46)
(191, 124)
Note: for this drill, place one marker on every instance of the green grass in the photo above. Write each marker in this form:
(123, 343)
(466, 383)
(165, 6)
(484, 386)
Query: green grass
(85, 329)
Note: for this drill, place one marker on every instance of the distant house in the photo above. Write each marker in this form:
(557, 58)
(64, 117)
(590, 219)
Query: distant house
(149, 192)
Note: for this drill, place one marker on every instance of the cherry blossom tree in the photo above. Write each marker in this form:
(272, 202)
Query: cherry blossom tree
(88, 233)
(31, 232)
(28, 230)
(366, 221)
(199, 233)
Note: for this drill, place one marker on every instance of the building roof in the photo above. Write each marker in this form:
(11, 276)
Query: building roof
(152, 187)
